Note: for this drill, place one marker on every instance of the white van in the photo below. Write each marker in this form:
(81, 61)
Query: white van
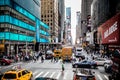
(78, 51)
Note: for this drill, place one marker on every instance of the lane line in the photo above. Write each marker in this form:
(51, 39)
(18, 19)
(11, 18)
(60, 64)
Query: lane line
(106, 77)
(58, 75)
(99, 77)
(38, 75)
(52, 74)
(45, 74)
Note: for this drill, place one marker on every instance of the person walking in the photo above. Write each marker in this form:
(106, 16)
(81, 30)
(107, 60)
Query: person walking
(42, 59)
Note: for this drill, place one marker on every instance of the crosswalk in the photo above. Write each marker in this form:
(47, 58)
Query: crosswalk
(53, 74)
(68, 75)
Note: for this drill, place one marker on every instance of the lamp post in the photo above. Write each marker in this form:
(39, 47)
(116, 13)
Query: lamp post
(34, 41)
(26, 43)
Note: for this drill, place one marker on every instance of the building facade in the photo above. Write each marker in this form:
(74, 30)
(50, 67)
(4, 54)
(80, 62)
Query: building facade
(20, 26)
(86, 21)
(61, 20)
(49, 15)
(85, 13)
(68, 37)
(102, 11)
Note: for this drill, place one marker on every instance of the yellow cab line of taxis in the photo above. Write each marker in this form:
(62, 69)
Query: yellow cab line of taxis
(17, 74)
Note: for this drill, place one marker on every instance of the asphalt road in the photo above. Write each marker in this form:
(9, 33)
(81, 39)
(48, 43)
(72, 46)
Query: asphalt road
(53, 69)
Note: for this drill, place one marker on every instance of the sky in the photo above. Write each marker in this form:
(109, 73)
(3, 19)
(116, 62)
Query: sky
(75, 6)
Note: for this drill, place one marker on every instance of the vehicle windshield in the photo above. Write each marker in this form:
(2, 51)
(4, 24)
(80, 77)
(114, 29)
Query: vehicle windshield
(57, 52)
(79, 49)
(10, 76)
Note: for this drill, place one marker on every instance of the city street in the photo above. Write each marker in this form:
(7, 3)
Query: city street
(53, 70)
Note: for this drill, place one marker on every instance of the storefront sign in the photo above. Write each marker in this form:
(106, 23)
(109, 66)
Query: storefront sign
(110, 31)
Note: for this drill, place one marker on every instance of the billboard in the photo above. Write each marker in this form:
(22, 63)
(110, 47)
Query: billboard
(110, 30)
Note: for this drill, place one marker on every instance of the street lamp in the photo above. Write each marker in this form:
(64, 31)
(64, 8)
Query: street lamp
(26, 43)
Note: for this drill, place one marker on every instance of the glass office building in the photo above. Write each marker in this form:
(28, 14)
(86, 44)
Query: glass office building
(20, 26)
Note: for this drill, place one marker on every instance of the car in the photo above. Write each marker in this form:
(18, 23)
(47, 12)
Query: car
(108, 68)
(49, 54)
(17, 74)
(45, 78)
(4, 61)
(85, 64)
(102, 61)
(84, 74)
(80, 56)
(78, 51)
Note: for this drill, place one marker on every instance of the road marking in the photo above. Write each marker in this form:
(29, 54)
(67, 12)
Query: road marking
(58, 75)
(52, 74)
(65, 76)
(99, 77)
(35, 72)
(106, 77)
(45, 74)
(38, 74)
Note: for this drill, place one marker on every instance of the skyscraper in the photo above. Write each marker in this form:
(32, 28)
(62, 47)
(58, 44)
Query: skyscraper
(49, 15)
(20, 26)
(68, 37)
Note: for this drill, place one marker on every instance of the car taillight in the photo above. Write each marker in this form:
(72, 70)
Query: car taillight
(96, 63)
(94, 78)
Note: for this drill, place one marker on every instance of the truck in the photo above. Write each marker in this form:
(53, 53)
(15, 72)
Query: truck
(57, 53)
(66, 54)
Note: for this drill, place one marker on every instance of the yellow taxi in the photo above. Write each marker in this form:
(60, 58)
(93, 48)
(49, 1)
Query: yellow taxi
(17, 74)
(57, 53)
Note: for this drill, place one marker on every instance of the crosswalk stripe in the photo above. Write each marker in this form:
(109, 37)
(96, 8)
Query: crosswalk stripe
(52, 74)
(65, 76)
(45, 74)
(99, 77)
(38, 74)
(106, 77)
(58, 75)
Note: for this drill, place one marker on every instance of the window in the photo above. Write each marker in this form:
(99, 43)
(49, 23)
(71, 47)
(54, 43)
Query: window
(23, 72)
(19, 74)
(9, 76)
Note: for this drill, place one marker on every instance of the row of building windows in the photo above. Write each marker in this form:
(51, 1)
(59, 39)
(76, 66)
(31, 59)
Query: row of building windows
(16, 37)
(14, 21)
(48, 16)
(20, 37)
(18, 8)
(5, 10)
(14, 29)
